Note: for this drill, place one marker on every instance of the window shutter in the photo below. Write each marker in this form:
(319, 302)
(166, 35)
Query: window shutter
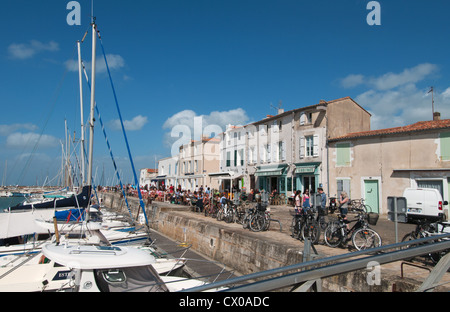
(302, 119)
(268, 153)
(261, 154)
(275, 152)
(283, 150)
(316, 145)
(302, 147)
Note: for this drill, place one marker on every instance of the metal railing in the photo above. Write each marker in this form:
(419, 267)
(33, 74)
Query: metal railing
(296, 274)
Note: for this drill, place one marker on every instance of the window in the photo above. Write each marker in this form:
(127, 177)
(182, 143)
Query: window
(262, 129)
(252, 155)
(445, 146)
(434, 184)
(289, 184)
(241, 155)
(268, 158)
(302, 119)
(228, 159)
(343, 185)
(282, 185)
(309, 146)
(275, 126)
(281, 150)
(235, 157)
(343, 154)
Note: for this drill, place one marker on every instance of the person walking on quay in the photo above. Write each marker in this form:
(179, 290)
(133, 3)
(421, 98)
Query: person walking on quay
(343, 205)
(323, 206)
(306, 202)
(298, 201)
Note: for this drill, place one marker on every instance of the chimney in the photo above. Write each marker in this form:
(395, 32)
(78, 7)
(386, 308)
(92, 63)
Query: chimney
(280, 111)
(436, 116)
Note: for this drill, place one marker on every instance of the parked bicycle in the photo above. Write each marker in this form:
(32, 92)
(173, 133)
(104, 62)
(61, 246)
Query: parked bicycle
(425, 228)
(260, 221)
(310, 228)
(298, 219)
(226, 212)
(211, 208)
(249, 213)
(361, 235)
(358, 205)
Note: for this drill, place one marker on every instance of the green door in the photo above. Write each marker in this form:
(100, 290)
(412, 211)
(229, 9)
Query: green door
(371, 195)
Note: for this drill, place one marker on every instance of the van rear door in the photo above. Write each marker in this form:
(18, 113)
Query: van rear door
(431, 202)
(414, 201)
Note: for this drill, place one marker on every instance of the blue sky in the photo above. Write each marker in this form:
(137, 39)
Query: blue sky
(225, 61)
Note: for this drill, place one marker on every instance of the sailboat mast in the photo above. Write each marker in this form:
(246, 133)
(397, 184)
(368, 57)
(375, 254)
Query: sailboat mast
(91, 124)
(80, 76)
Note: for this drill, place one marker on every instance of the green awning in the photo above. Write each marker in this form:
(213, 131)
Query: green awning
(306, 168)
(270, 171)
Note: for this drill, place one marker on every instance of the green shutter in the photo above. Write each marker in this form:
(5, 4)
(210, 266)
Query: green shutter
(343, 154)
(445, 146)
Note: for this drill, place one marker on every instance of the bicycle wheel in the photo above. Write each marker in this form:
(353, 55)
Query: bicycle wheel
(257, 223)
(294, 227)
(333, 235)
(220, 214)
(229, 217)
(311, 230)
(366, 238)
(267, 223)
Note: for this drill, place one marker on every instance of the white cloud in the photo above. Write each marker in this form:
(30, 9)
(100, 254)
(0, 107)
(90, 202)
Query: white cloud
(29, 140)
(221, 119)
(352, 81)
(137, 123)
(115, 62)
(391, 80)
(409, 75)
(28, 50)
(8, 129)
(187, 125)
(398, 99)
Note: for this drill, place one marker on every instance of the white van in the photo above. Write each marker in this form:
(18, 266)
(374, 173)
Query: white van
(424, 203)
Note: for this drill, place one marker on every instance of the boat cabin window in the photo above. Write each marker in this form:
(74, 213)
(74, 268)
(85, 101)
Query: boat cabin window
(114, 276)
(130, 279)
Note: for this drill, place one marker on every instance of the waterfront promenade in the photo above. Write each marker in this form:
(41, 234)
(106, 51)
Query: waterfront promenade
(244, 252)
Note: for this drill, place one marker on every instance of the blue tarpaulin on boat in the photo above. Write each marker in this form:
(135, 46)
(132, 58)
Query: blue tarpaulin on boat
(72, 215)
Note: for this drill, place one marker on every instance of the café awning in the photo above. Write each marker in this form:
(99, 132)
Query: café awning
(268, 171)
(306, 168)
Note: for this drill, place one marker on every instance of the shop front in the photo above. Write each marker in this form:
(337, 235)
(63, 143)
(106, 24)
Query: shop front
(273, 178)
(307, 177)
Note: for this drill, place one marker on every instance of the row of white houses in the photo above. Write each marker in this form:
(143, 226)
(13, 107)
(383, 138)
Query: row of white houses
(323, 145)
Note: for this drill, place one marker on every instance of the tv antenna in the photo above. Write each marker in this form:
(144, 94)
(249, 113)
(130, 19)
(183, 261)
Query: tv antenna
(432, 100)
(280, 106)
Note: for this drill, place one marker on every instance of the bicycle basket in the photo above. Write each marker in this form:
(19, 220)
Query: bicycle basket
(372, 218)
(261, 207)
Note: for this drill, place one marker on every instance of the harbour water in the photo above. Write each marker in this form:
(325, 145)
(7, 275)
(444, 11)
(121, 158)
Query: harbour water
(6, 202)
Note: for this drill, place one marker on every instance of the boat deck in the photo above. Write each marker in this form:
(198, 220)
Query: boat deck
(197, 266)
